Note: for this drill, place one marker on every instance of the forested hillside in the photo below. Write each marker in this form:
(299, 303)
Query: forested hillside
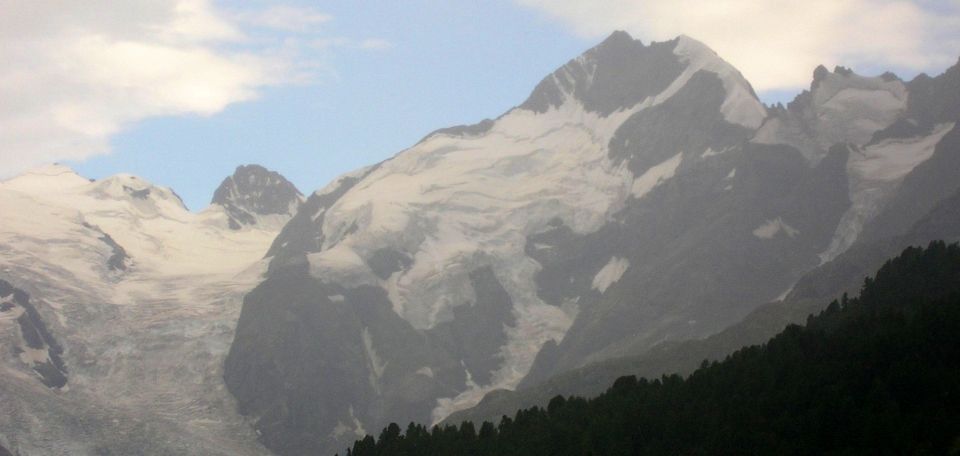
(876, 374)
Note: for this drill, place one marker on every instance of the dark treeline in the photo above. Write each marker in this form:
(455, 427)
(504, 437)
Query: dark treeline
(878, 374)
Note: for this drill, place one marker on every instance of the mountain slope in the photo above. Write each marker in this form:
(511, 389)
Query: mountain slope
(843, 275)
(119, 306)
(871, 375)
(844, 268)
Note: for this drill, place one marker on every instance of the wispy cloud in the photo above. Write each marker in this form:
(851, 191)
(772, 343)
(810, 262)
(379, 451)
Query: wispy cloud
(374, 44)
(778, 43)
(285, 18)
(367, 44)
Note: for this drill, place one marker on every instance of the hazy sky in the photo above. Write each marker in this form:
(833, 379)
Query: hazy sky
(182, 91)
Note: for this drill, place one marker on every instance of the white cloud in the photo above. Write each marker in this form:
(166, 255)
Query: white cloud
(777, 43)
(75, 73)
(72, 74)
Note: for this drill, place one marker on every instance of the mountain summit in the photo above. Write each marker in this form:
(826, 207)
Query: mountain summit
(254, 191)
(621, 72)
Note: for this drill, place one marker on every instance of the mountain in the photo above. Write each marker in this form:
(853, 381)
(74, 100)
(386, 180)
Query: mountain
(897, 225)
(118, 305)
(253, 193)
(868, 375)
(641, 195)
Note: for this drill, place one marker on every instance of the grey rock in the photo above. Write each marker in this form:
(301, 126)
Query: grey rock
(119, 260)
(462, 130)
(385, 261)
(253, 190)
(297, 332)
(618, 73)
(36, 335)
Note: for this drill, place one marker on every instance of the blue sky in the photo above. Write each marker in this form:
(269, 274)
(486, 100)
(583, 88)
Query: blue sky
(181, 92)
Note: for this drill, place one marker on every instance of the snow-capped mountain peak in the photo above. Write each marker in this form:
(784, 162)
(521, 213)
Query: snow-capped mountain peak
(741, 105)
(621, 72)
(146, 197)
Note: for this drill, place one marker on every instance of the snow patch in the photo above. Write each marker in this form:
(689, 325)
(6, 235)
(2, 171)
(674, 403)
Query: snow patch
(376, 365)
(892, 159)
(655, 176)
(610, 273)
(340, 429)
(358, 429)
(711, 153)
(770, 228)
(785, 293)
(32, 356)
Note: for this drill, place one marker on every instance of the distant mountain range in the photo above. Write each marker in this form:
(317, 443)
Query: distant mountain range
(641, 211)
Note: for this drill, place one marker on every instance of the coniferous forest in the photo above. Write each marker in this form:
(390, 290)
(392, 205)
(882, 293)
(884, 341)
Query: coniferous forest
(877, 374)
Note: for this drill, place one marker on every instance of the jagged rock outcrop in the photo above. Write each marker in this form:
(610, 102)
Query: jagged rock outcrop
(253, 192)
